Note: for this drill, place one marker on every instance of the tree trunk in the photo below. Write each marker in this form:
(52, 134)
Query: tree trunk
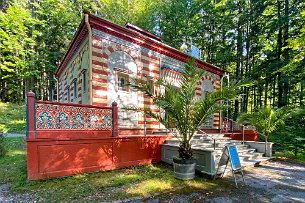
(239, 53)
(279, 55)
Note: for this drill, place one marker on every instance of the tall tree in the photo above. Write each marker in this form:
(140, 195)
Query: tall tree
(17, 41)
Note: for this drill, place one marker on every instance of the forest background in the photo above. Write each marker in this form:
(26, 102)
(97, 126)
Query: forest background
(260, 41)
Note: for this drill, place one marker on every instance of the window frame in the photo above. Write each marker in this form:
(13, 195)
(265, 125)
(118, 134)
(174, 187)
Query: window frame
(84, 80)
(124, 75)
(75, 90)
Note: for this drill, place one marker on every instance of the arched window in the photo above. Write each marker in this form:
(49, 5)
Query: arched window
(124, 67)
(68, 96)
(206, 88)
(75, 92)
(84, 68)
(84, 76)
(84, 80)
(120, 60)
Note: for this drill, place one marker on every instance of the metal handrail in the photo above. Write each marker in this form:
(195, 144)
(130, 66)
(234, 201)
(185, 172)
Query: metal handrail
(206, 134)
(243, 127)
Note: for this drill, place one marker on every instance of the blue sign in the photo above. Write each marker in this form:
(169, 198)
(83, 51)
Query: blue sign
(234, 157)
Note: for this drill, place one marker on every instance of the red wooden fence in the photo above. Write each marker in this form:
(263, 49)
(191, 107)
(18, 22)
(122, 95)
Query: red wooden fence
(64, 139)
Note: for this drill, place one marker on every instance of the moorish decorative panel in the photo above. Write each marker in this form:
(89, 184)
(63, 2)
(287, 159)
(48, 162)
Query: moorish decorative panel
(50, 116)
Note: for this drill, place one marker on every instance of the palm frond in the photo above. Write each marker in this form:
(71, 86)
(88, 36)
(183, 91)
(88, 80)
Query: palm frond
(183, 107)
(266, 120)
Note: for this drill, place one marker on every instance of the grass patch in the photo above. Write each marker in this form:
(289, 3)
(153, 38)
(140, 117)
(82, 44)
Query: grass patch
(290, 154)
(12, 118)
(138, 181)
(13, 164)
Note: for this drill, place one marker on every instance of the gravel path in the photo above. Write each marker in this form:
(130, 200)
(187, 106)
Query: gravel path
(275, 181)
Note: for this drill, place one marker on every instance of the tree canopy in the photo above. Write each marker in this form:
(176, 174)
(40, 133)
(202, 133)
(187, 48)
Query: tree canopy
(261, 41)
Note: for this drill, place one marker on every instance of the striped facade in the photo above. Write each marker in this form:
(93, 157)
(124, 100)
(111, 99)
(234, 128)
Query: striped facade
(70, 83)
(148, 68)
(114, 57)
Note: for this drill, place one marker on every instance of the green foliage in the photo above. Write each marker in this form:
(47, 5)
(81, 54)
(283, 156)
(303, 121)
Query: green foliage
(13, 164)
(12, 118)
(261, 41)
(266, 120)
(2, 146)
(293, 128)
(17, 39)
(141, 13)
(186, 111)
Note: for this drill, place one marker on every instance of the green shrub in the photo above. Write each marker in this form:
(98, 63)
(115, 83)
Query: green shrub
(285, 138)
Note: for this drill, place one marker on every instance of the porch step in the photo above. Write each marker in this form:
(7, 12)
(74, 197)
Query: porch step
(244, 163)
(248, 156)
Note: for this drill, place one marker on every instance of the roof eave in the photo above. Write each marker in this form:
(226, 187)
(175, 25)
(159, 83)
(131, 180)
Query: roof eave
(153, 44)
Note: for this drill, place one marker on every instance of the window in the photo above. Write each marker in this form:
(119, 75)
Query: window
(68, 88)
(84, 80)
(206, 88)
(75, 89)
(62, 92)
(122, 81)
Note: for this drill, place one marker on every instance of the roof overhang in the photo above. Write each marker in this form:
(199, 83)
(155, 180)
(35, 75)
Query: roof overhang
(134, 37)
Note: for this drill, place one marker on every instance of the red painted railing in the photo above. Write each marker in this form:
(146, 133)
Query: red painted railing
(59, 120)
(65, 139)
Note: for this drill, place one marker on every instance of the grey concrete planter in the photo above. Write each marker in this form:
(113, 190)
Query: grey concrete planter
(205, 162)
(184, 171)
(260, 147)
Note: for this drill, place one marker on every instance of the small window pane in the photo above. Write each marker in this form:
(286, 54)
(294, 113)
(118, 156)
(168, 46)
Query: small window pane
(123, 82)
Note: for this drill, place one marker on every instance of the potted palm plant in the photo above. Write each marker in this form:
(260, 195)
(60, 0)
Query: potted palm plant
(266, 120)
(185, 112)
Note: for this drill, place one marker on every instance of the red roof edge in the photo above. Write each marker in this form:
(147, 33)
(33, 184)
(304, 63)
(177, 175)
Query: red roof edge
(144, 32)
(134, 36)
(138, 38)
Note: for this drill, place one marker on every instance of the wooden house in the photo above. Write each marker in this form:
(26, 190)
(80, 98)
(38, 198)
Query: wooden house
(103, 56)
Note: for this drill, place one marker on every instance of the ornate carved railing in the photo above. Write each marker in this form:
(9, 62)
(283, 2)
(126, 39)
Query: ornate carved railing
(55, 119)
(50, 115)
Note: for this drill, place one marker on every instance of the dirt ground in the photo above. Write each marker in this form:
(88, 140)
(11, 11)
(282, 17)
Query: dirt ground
(274, 181)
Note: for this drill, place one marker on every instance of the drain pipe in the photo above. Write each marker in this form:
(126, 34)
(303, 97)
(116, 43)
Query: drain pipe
(226, 75)
(90, 56)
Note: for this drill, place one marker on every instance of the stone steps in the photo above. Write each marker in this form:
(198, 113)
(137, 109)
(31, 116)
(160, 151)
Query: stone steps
(247, 156)
(244, 164)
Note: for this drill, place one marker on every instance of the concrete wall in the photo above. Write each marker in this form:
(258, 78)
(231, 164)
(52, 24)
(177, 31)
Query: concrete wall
(260, 147)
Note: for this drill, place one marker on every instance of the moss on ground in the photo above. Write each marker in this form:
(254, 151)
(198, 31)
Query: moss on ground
(12, 118)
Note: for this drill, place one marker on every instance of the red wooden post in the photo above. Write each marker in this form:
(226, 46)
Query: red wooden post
(115, 126)
(30, 116)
